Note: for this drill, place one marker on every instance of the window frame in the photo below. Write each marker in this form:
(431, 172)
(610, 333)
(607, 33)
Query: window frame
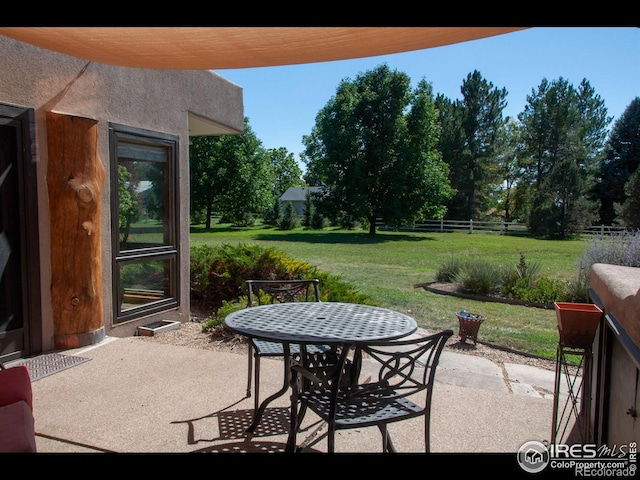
(171, 250)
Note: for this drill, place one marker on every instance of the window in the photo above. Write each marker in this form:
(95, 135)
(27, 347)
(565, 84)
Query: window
(144, 222)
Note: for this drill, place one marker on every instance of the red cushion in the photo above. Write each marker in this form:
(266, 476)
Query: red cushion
(15, 385)
(16, 428)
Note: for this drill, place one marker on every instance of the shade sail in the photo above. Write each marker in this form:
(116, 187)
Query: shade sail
(219, 48)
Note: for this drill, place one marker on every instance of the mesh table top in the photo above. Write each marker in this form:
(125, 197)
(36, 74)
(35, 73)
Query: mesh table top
(321, 322)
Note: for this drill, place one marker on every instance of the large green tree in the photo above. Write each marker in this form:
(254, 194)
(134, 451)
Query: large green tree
(286, 171)
(562, 127)
(373, 147)
(231, 175)
(621, 159)
(469, 148)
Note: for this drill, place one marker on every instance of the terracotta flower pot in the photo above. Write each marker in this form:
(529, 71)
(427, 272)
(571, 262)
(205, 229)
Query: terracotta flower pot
(577, 323)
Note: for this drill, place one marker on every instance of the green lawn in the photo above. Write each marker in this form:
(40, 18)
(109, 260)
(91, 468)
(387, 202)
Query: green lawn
(388, 265)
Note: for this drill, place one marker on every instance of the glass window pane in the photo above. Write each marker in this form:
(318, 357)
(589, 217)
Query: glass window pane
(143, 197)
(144, 282)
(144, 223)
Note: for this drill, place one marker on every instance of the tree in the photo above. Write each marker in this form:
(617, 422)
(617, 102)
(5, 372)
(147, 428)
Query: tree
(561, 124)
(560, 208)
(629, 211)
(470, 128)
(482, 107)
(451, 146)
(308, 210)
(373, 147)
(287, 173)
(621, 159)
(231, 175)
(507, 153)
(128, 210)
(289, 220)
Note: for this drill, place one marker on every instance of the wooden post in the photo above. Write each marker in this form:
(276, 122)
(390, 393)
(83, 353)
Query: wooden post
(75, 176)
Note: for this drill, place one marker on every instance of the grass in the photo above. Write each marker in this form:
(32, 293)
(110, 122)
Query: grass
(388, 265)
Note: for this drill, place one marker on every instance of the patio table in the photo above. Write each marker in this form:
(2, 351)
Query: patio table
(304, 323)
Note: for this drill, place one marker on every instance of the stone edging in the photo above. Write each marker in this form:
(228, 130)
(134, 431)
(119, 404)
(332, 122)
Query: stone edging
(430, 287)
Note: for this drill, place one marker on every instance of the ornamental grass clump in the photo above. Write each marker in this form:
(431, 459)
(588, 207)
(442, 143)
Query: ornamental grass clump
(479, 277)
(448, 270)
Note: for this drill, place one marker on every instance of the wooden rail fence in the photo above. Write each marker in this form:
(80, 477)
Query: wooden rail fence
(477, 226)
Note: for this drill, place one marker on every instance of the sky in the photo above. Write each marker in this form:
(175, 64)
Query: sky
(282, 102)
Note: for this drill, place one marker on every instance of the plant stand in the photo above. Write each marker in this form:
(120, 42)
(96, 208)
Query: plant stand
(577, 325)
(571, 422)
(469, 324)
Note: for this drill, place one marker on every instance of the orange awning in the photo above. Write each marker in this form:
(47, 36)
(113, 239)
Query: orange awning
(218, 48)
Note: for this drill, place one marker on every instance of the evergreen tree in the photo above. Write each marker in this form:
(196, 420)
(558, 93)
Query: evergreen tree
(451, 146)
(470, 130)
(560, 208)
(308, 210)
(562, 128)
(272, 216)
(621, 159)
(289, 219)
(629, 211)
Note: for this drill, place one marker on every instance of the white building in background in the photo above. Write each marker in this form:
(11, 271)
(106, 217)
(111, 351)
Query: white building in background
(297, 196)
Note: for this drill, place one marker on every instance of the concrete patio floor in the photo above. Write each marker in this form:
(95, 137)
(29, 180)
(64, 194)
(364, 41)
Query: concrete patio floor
(144, 397)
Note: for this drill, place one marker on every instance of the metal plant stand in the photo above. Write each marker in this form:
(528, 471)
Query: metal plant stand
(577, 325)
(469, 324)
(571, 417)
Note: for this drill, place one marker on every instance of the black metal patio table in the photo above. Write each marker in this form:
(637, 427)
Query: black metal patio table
(306, 323)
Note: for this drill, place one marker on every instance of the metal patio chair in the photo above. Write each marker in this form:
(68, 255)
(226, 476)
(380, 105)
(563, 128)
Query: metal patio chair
(406, 368)
(273, 291)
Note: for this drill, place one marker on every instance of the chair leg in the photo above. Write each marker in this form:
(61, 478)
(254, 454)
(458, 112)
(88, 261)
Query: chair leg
(256, 388)
(331, 440)
(249, 371)
(427, 446)
(387, 444)
(427, 425)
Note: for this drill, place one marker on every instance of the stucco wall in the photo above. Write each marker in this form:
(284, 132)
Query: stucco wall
(618, 289)
(158, 100)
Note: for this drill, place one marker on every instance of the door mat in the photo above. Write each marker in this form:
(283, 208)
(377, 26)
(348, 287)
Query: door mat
(50, 363)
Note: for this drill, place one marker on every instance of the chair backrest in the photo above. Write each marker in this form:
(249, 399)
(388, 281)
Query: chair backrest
(407, 366)
(282, 291)
(404, 367)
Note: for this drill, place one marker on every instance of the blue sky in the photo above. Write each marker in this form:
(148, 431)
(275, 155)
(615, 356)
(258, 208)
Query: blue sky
(282, 102)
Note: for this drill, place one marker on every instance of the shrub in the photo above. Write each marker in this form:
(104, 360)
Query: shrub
(218, 274)
(616, 249)
(520, 279)
(544, 290)
(521, 282)
(318, 221)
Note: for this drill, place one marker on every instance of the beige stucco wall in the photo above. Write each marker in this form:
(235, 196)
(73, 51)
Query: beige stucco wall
(158, 100)
(618, 288)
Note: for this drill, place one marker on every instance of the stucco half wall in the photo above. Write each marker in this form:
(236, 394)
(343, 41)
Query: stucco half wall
(619, 290)
(615, 400)
(175, 102)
